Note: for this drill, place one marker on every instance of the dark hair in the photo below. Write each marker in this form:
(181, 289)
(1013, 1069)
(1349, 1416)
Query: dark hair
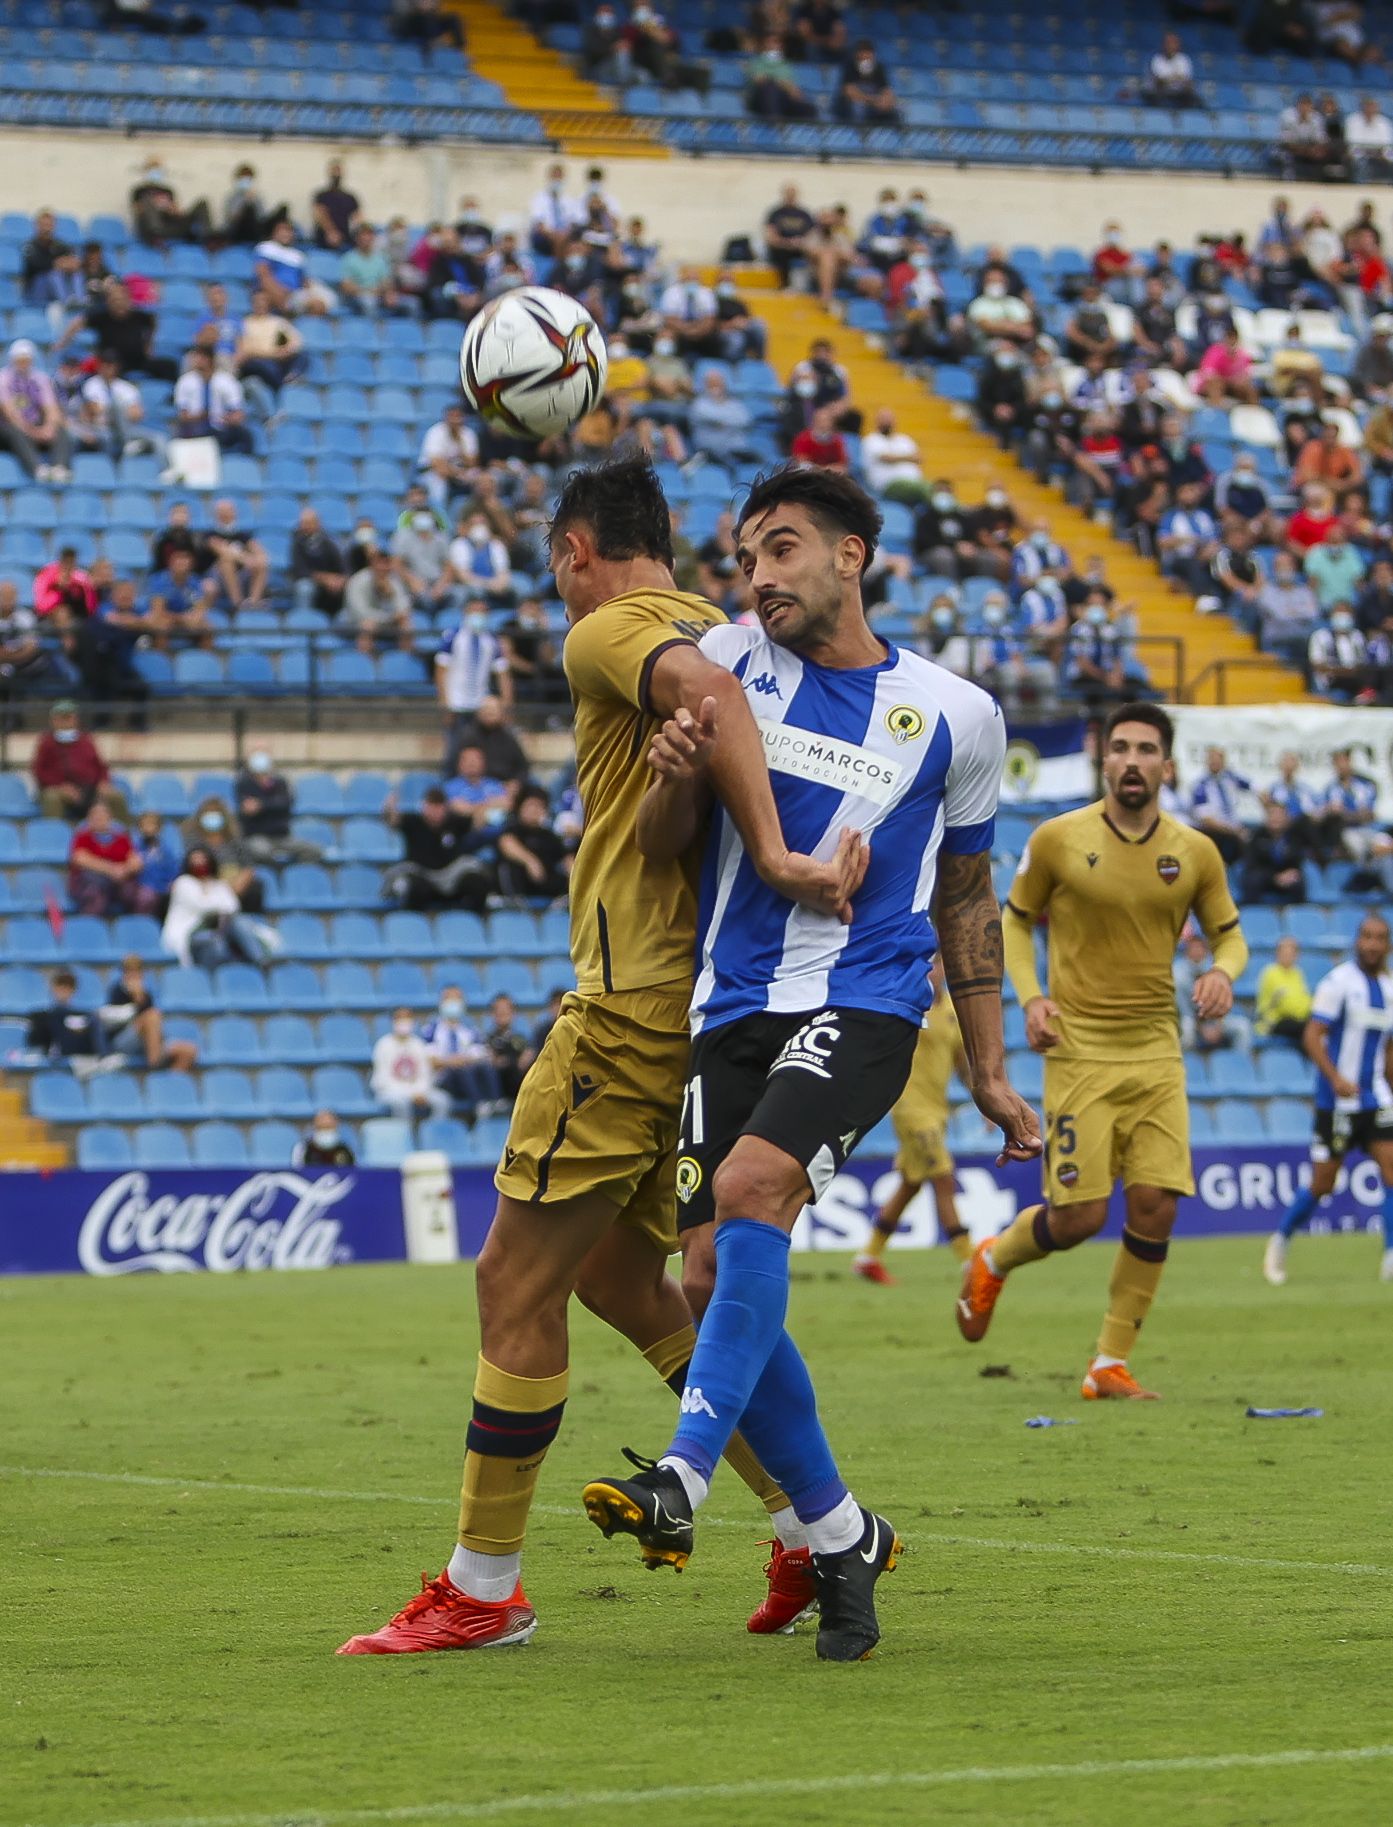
(65, 977)
(531, 793)
(1139, 712)
(1377, 916)
(623, 504)
(836, 503)
(434, 796)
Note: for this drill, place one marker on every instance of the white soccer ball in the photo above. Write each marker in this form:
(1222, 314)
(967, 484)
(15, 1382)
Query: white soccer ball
(533, 362)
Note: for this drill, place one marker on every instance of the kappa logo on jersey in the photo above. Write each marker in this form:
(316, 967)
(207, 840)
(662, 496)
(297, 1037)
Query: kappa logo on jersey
(811, 1047)
(1168, 868)
(766, 685)
(688, 1177)
(904, 722)
(695, 1403)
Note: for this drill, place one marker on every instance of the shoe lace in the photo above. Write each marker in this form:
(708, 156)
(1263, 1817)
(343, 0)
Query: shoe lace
(644, 1465)
(434, 1592)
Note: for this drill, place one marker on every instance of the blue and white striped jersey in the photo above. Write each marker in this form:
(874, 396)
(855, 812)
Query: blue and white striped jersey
(904, 752)
(1358, 1014)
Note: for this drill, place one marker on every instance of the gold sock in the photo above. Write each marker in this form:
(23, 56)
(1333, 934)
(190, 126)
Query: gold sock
(1026, 1239)
(1136, 1273)
(515, 1420)
(960, 1243)
(877, 1243)
(670, 1358)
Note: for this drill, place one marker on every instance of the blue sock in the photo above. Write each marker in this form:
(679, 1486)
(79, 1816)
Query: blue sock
(781, 1424)
(739, 1330)
(1299, 1211)
(1388, 1217)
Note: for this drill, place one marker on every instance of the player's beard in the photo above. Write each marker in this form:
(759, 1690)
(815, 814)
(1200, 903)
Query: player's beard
(1133, 792)
(803, 620)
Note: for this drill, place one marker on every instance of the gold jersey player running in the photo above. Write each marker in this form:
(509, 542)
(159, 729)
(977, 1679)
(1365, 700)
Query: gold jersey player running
(1117, 882)
(587, 1200)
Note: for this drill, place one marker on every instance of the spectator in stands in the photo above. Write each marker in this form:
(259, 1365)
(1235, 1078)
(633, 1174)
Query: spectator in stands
(39, 255)
(532, 859)
(1002, 400)
(454, 286)
(1287, 609)
(542, 1027)
(1324, 459)
(487, 729)
(942, 536)
(479, 561)
(265, 804)
(440, 868)
(532, 658)
(449, 457)
(425, 23)
(1216, 802)
(820, 445)
(771, 91)
(788, 232)
(998, 313)
(890, 462)
(1339, 30)
(126, 329)
(553, 216)
(245, 219)
(1273, 862)
(1188, 539)
(31, 422)
(1280, 26)
(134, 1026)
(1282, 1005)
(62, 291)
(366, 282)
(1374, 607)
(656, 49)
(1338, 658)
(178, 604)
(1303, 149)
(104, 867)
(404, 1072)
(112, 407)
(335, 211)
(213, 825)
(1170, 77)
(22, 658)
(462, 1063)
(507, 1047)
(282, 273)
(237, 556)
(1001, 663)
(63, 585)
(1225, 374)
(1369, 138)
(176, 535)
(377, 606)
(270, 349)
(1371, 372)
(742, 336)
(865, 97)
(1089, 329)
(1192, 960)
(1241, 494)
(691, 315)
(61, 1032)
(69, 772)
(1312, 521)
(1349, 808)
(1093, 657)
(1334, 569)
(316, 566)
(1112, 265)
(669, 376)
(604, 49)
(422, 555)
(161, 859)
(325, 1145)
(140, 16)
(209, 403)
(721, 424)
(155, 212)
(205, 924)
(473, 790)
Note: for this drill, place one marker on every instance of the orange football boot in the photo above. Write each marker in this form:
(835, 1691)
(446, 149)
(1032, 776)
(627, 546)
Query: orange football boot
(1109, 1382)
(792, 1594)
(980, 1291)
(442, 1617)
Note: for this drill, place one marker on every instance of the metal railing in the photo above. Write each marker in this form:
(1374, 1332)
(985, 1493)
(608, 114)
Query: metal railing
(1214, 678)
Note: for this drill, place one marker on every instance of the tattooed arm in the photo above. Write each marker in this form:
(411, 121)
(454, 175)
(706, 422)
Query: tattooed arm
(969, 934)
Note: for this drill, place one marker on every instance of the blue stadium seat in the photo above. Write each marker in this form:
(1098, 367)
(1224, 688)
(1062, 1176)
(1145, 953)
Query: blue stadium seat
(451, 1137)
(1283, 1072)
(228, 1096)
(365, 794)
(1261, 927)
(16, 800)
(368, 841)
(173, 1097)
(404, 985)
(57, 1097)
(344, 1040)
(273, 1144)
(47, 840)
(1288, 1118)
(320, 796)
(116, 1097)
(219, 1145)
(165, 794)
(241, 989)
(295, 986)
(340, 1089)
(351, 986)
(408, 935)
(1232, 1074)
(284, 1092)
(290, 1040)
(303, 936)
(101, 1147)
(1240, 1121)
(307, 886)
(161, 1145)
(32, 941)
(233, 1040)
(386, 1142)
(358, 935)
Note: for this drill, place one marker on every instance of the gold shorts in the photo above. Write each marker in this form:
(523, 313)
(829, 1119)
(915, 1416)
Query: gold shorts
(1105, 1122)
(920, 1129)
(600, 1108)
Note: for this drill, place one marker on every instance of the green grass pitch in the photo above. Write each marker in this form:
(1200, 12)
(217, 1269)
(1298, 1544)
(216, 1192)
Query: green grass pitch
(1165, 1614)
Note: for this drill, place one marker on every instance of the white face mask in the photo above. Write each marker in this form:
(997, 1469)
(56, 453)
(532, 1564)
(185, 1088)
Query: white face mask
(996, 497)
(65, 735)
(994, 615)
(943, 502)
(326, 1138)
(402, 1028)
(452, 1008)
(1342, 623)
(664, 346)
(994, 289)
(477, 618)
(1097, 616)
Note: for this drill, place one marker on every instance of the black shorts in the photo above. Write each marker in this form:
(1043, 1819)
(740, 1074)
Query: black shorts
(813, 1085)
(1338, 1131)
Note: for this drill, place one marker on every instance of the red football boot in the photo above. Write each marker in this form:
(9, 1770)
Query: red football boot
(871, 1268)
(442, 1617)
(792, 1594)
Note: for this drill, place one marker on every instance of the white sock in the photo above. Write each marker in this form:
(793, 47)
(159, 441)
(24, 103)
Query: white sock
(1103, 1362)
(990, 1261)
(693, 1483)
(790, 1531)
(491, 1577)
(839, 1530)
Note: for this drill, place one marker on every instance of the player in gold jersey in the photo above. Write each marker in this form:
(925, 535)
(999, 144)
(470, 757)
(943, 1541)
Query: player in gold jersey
(1117, 882)
(921, 1120)
(587, 1200)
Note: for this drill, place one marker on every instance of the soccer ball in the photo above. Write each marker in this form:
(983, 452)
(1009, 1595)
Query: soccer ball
(533, 362)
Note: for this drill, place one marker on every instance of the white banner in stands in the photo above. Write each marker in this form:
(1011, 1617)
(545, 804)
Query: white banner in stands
(1252, 736)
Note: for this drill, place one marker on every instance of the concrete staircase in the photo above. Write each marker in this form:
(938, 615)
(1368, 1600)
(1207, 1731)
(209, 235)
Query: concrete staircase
(578, 115)
(24, 1140)
(1220, 663)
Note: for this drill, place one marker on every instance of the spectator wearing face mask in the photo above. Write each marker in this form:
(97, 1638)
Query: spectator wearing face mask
(940, 637)
(462, 1065)
(742, 337)
(161, 859)
(1093, 659)
(104, 868)
(1001, 664)
(1287, 609)
(998, 313)
(1338, 658)
(440, 867)
(1002, 405)
(1043, 619)
(205, 924)
(62, 1033)
(404, 1072)
(942, 538)
(324, 1146)
(669, 376)
(605, 55)
(820, 445)
(470, 666)
(890, 462)
(771, 89)
(507, 1046)
(1334, 568)
(917, 308)
(69, 772)
(1038, 555)
(864, 96)
(1242, 494)
(1188, 540)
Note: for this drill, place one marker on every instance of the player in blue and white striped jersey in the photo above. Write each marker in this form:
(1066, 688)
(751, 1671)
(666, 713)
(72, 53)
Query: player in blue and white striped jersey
(805, 1027)
(1348, 1037)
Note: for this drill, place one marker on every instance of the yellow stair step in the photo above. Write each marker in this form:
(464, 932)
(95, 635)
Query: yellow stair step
(26, 1141)
(955, 447)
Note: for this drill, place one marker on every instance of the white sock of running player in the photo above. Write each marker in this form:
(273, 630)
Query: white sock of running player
(693, 1483)
(791, 1532)
(490, 1577)
(1102, 1362)
(839, 1530)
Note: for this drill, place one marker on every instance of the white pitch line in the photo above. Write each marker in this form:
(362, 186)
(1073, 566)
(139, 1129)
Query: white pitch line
(679, 1793)
(1002, 1544)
